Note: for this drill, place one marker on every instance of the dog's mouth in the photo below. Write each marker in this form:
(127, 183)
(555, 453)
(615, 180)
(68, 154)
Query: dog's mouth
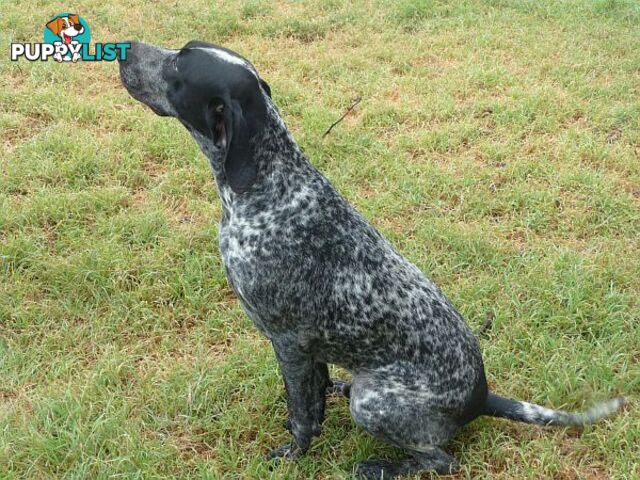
(133, 84)
(137, 73)
(129, 80)
(156, 110)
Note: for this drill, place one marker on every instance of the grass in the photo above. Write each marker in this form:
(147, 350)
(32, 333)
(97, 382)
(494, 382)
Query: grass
(497, 145)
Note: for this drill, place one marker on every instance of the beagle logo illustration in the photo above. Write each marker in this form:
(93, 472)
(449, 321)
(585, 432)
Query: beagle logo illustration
(67, 38)
(67, 32)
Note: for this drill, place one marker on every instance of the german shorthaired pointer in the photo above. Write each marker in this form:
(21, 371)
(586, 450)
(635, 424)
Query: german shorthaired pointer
(319, 281)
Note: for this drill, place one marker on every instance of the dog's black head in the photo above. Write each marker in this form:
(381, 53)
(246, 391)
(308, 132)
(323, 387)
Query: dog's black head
(214, 92)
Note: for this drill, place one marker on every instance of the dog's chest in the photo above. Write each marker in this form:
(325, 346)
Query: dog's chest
(242, 246)
(261, 235)
(277, 250)
(257, 254)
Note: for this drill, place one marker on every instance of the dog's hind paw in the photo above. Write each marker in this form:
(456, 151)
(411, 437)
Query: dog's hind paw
(436, 461)
(339, 388)
(377, 469)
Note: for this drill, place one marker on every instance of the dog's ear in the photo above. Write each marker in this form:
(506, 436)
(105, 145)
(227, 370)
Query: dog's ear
(55, 25)
(75, 20)
(266, 87)
(231, 133)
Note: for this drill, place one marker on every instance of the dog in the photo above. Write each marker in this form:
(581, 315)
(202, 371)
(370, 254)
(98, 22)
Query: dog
(319, 281)
(67, 28)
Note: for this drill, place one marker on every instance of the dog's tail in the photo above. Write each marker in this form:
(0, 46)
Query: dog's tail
(497, 406)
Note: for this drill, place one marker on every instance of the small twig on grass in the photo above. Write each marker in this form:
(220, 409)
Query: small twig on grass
(488, 323)
(353, 105)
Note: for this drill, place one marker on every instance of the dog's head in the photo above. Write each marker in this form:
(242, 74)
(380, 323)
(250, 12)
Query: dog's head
(214, 92)
(66, 27)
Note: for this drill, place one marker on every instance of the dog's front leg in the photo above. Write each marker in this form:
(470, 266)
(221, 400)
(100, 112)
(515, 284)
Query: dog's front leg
(321, 385)
(301, 377)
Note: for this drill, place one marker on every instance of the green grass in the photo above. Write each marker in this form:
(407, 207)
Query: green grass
(497, 145)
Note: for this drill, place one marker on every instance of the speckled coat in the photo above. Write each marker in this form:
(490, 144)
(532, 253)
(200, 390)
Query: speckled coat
(319, 281)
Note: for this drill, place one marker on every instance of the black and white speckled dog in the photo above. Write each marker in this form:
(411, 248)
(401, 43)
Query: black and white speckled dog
(319, 281)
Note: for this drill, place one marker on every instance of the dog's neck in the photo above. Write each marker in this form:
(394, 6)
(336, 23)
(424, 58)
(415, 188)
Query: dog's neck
(277, 158)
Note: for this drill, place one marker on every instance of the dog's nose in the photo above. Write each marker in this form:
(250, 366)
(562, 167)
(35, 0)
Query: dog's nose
(130, 52)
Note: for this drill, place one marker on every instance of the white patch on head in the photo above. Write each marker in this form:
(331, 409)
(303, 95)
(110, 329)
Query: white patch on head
(228, 57)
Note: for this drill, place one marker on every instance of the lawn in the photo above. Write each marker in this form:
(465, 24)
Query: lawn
(497, 145)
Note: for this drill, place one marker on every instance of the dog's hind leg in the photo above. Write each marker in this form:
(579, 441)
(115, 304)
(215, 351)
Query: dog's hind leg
(407, 417)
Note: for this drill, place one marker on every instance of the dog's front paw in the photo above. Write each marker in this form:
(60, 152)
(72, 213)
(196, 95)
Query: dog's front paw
(288, 451)
(287, 425)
